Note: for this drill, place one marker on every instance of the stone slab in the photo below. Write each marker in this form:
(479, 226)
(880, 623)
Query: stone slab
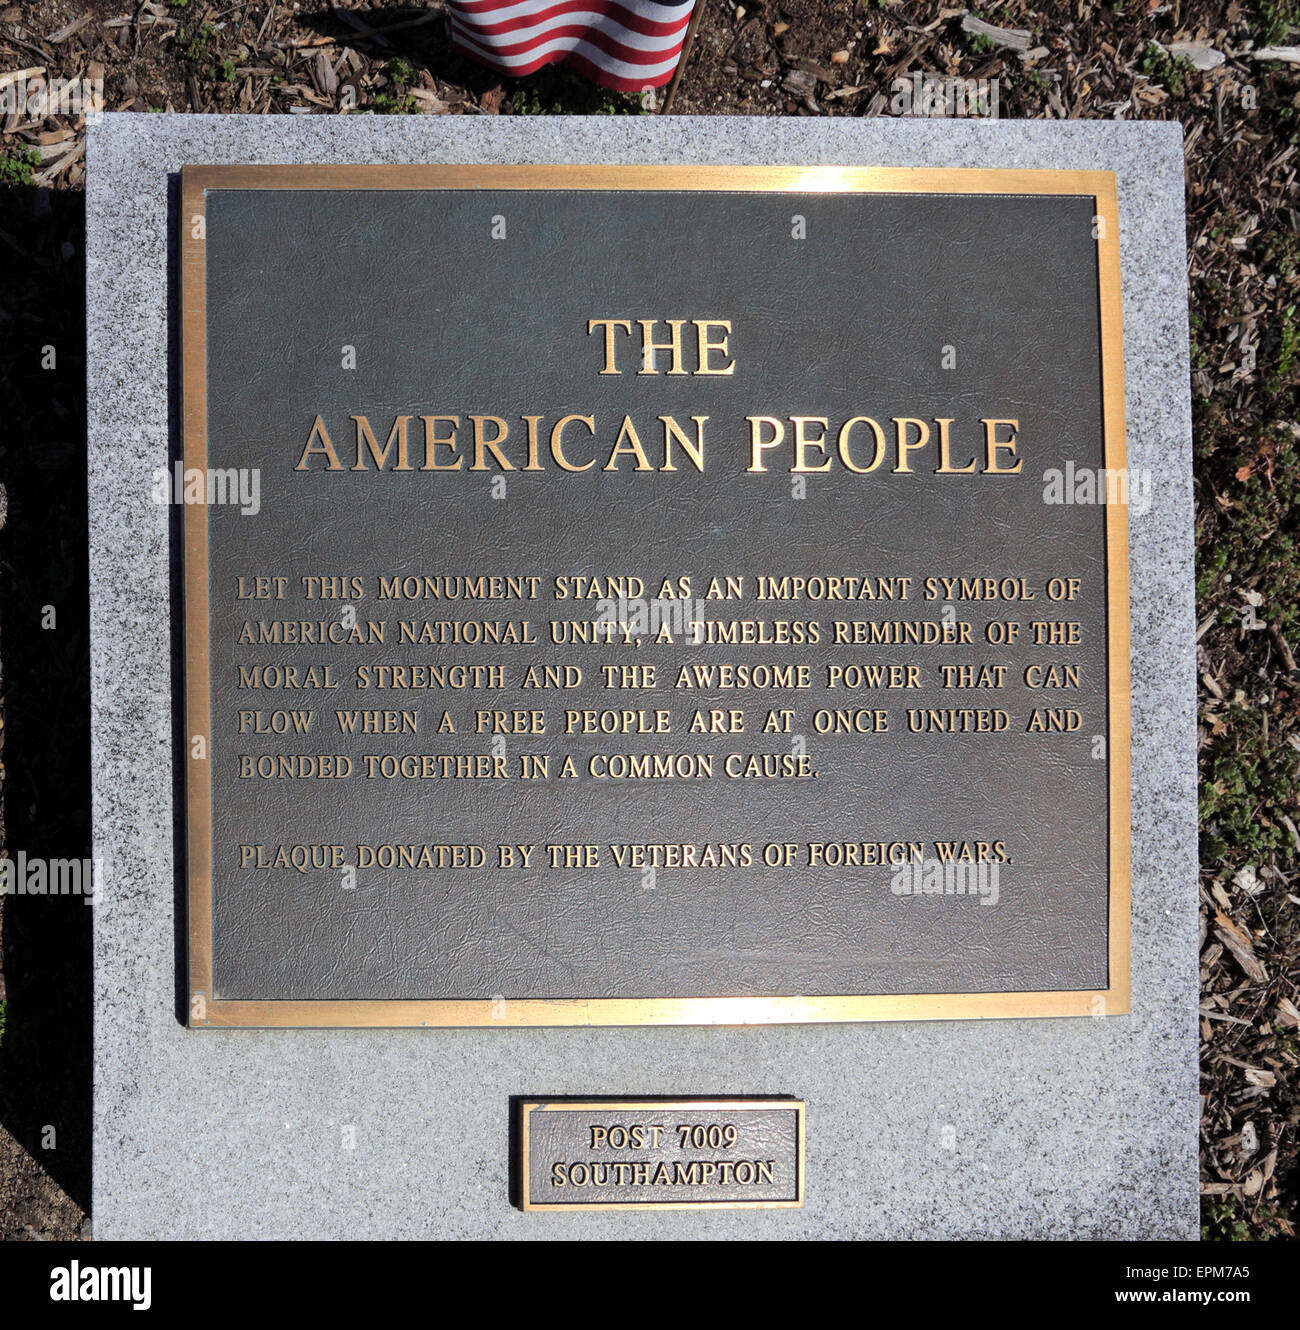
(1057, 1128)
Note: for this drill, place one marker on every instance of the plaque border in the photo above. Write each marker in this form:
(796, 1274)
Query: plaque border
(207, 1010)
(777, 1103)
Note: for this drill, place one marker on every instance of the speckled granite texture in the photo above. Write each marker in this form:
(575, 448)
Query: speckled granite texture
(1083, 1128)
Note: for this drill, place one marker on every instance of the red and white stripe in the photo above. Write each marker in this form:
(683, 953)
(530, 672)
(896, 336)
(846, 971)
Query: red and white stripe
(625, 44)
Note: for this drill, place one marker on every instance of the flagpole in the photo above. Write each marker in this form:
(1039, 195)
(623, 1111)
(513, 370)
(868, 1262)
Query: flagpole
(681, 63)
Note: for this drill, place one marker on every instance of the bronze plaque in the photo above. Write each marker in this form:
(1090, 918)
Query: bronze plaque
(629, 595)
(661, 1154)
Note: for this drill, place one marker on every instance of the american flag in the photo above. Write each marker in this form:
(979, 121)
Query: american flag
(630, 45)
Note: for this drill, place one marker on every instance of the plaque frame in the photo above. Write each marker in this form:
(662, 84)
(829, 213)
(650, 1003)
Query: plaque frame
(205, 1009)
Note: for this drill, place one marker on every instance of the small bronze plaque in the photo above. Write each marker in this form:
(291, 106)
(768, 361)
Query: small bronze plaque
(661, 1154)
(653, 595)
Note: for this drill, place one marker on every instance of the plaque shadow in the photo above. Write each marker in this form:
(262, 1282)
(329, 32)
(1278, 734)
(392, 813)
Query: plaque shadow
(46, 1052)
(176, 602)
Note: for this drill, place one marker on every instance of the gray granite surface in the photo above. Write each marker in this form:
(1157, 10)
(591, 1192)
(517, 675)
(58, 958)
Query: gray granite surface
(1000, 1129)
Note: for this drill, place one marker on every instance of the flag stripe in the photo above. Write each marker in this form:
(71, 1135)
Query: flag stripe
(624, 44)
(636, 75)
(585, 12)
(653, 20)
(619, 52)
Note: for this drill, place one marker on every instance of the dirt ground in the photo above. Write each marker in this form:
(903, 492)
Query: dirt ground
(1206, 64)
